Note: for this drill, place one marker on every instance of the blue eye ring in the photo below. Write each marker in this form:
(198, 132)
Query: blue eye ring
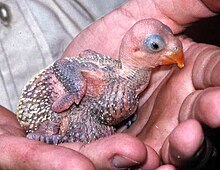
(154, 43)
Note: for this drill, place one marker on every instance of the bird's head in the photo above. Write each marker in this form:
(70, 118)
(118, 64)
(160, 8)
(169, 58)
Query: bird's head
(150, 43)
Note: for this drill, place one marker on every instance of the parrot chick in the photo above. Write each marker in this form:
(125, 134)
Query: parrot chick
(82, 98)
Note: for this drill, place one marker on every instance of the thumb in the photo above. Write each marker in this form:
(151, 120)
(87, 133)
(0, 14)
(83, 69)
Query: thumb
(118, 151)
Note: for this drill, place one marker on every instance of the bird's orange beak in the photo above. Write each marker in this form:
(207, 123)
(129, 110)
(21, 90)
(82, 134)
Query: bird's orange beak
(173, 58)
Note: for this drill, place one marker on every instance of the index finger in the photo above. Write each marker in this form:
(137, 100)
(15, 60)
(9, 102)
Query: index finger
(206, 69)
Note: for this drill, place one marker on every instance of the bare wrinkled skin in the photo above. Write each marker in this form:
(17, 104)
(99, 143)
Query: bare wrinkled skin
(82, 98)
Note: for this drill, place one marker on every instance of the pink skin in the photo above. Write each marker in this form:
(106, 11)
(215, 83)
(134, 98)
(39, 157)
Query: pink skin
(162, 135)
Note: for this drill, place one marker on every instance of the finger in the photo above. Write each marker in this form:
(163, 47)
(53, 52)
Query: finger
(166, 167)
(20, 153)
(8, 116)
(9, 123)
(202, 105)
(182, 143)
(206, 68)
(118, 151)
(152, 161)
(212, 5)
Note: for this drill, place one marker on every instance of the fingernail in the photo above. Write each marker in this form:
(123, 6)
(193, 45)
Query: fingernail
(124, 162)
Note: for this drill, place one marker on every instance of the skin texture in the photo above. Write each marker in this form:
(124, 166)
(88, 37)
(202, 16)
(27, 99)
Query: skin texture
(180, 107)
(82, 98)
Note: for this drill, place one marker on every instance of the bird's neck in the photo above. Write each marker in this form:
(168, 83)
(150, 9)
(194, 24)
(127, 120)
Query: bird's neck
(134, 68)
(137, 78)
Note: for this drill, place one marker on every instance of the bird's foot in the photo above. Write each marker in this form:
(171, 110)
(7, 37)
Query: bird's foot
(48, 132)
(52, 139)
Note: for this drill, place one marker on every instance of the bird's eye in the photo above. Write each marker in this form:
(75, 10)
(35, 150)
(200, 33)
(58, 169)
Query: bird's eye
(154, 43)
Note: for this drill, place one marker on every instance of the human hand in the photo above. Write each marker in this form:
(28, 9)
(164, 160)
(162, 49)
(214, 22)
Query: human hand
(177, 102)
(18, 152)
